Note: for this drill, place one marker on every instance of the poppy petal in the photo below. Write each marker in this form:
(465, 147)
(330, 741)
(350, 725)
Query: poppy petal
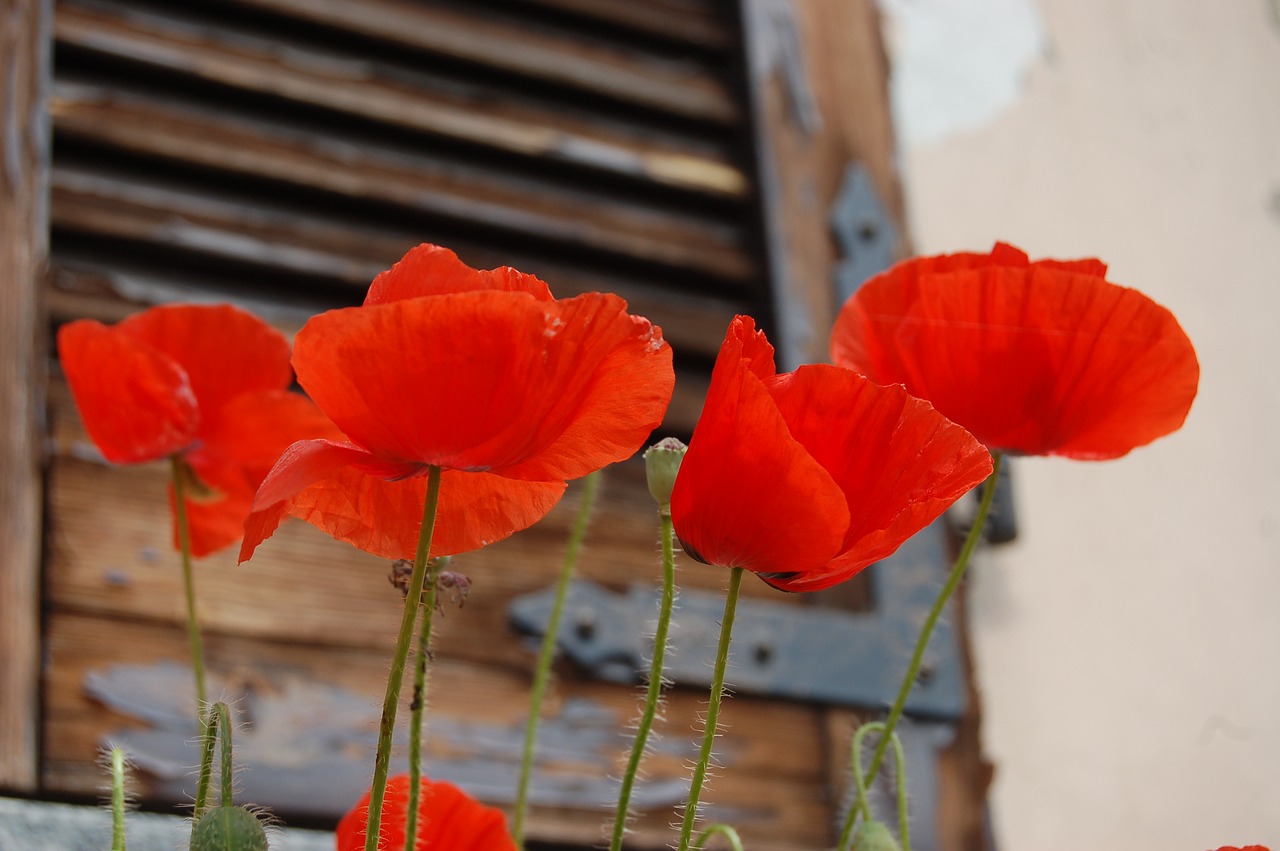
(224, 350)
(408, 379)
(748, 494)
(921, 463)
(217, 505)
(432, 270)
(252, 432)
(615, 385)
(255, 429)
(329, 485)
(137, 404)
(1040, 358)
(449, 820)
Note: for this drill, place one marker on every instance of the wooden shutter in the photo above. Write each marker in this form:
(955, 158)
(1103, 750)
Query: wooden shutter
(279, 153)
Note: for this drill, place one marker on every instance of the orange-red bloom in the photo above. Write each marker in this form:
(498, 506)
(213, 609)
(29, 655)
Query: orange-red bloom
(480, 373)
(808, 477)
(207, 383)
(448, 820)
(1244, 848)
(1043, 358)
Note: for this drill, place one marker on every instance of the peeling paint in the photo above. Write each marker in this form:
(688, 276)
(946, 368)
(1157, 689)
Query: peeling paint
(956, 66)
(295, 730)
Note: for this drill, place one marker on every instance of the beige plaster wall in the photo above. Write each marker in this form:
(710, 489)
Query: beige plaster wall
(1129, 642)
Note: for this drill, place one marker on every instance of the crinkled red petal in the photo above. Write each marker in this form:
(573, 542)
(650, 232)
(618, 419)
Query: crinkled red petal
(1044, 358)
(899, 462)
(448, 820)
(490, 380)
(136, 402)
(429, 270)
(255, 429)
(329, 485)
(224, 350)
(215, 516)
(748, 494)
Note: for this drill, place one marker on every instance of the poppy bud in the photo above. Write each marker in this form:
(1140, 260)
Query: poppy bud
(874, 836)
(661, 463)
(225, 828)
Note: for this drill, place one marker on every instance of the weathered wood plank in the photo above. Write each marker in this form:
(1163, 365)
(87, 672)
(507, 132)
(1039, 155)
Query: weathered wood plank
(352, 252)
(110, 552)
(699, 24)
(681, 88)
(824, 60)
(491, 119)
(359, 169)
(468, 703)
(24, 163)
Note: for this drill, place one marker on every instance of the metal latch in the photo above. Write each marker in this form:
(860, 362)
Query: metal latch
(799, 652)
(865, 232)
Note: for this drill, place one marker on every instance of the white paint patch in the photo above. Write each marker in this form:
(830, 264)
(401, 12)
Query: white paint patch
(957, 64)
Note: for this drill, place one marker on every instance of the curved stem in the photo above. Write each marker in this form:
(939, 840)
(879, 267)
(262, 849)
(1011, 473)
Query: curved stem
(218, 717)
(542, 671)
(713, 707)
(188, 579)
(926, 632)
(724, 830)
(861, 803)
(418, 706)
(412, 600)
(208, 739)
(655, 682)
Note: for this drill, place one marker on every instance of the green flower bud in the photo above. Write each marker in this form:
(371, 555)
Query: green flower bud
(229, 829)
(661, 463)
(874, 836)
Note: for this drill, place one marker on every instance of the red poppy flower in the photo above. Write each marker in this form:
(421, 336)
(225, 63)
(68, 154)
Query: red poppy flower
(1043, 358)
(480, 373)
(448, 820)
(1244, 848)
(206, 383)
(808, 477)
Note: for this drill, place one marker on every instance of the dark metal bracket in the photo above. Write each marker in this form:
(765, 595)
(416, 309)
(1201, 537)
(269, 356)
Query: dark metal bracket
(866, 234)
(797, 652)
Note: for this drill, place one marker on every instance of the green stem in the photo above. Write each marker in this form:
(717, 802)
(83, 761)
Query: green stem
(226, 766)
(188, 580)
(412, 600)
(724, 830)
(926, 632)
(217, 717)
(655, 681)
(117, 800)
(208, 739)
(542, 672)
(713, 708)
(417, 707)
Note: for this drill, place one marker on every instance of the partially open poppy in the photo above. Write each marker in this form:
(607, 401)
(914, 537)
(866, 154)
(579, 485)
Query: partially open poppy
(808, 477)
(208, 383)
(1043, 358)
(448, 820)
(480, 373)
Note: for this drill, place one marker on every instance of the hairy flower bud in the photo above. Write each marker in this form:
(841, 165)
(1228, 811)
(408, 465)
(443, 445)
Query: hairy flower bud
(661, 464)
(874, 836)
